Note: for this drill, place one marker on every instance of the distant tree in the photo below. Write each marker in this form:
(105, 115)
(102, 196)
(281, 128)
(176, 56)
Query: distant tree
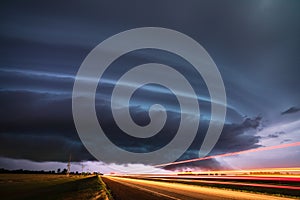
(64, 171)
(58, 170)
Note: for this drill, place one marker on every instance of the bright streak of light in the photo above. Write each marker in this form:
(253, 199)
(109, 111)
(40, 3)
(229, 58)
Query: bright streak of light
(232, 154)
(264, 185)
(270, 172)
(285, 169)
(196, 191)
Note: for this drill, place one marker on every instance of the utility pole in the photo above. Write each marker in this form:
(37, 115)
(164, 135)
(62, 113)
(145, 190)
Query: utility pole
(82, 167)
(69, 165)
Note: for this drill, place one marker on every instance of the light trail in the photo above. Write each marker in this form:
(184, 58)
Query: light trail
(246, 172)
(232, 154)
(289, 187)
(194, 178)
(176, 190)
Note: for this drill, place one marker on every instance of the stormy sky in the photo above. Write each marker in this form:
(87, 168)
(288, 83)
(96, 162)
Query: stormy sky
(255, 45)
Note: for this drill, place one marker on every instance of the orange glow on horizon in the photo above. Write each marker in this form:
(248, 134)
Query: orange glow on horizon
(232, 154)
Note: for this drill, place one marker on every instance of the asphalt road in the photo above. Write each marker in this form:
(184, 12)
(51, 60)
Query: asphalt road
(127, 189)
(234, 181)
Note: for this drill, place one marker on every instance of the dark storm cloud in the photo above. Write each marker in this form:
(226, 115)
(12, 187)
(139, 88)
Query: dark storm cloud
(42, 147)
(276, 134)
(211, 164)
(44, 116)
(272, 136)
(38, 126)
(34, 110)
(44, 113)
(234, 137)
(255, 45)
(10, 79)
(237, 137)
(247, 40)
(285, 141)
(291, 110)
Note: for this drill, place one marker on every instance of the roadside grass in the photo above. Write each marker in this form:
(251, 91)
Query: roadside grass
(52, 187)
(105, 190)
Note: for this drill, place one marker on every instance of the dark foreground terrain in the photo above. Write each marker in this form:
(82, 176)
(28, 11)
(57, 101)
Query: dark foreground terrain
(54, 187)
(42, 186)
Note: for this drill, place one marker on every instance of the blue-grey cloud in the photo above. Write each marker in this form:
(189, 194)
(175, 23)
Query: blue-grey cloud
(290, 110)
(254, 44)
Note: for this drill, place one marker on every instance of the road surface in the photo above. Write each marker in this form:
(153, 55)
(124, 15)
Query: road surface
(127, 189)
(234, 182)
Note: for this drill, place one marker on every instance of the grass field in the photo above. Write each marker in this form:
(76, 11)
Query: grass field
(41, 186)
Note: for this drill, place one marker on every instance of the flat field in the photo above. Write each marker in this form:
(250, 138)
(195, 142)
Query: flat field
(52, 186)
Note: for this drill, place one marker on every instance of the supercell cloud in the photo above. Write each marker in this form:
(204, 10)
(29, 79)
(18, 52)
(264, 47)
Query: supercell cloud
(255, 45)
